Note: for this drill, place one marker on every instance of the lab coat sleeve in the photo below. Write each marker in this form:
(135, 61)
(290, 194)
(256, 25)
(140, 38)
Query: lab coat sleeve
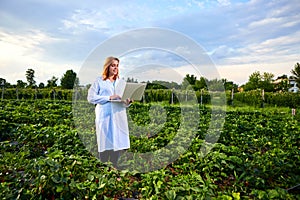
(93, 94)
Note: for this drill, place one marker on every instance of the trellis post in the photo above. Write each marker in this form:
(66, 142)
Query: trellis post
(186, 95)
(201, 97)
(35, 95)
(2, 85)
(54, 94)
(172, 97)
(17, 93)
(232, 93)
(263, 97)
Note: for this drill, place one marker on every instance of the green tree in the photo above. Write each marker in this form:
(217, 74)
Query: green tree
(52, 82)
(30, 77)
(41, 85)
(2, 81)
(68, 80)
(165, 85)
(296, 73)
(229, 85)
(258, 81)
(201, 84)
(188, 80)
(21, 84)
(253, 82)
(215, 85)
(267, 82)
(281, 83)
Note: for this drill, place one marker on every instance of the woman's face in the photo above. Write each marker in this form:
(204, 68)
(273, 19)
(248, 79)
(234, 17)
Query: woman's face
(114, 68)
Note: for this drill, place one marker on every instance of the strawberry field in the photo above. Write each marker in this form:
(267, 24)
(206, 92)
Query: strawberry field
(43, 156)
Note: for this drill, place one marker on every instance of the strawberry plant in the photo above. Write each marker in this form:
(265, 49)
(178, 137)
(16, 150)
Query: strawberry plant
(44, 154)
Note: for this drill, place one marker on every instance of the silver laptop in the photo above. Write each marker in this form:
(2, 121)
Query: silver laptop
(134, 91)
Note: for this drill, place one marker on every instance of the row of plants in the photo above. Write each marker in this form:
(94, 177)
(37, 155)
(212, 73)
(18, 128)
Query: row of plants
(38, 93)
(43, 153)
(257, 98)
(253, 98)
(151, 95)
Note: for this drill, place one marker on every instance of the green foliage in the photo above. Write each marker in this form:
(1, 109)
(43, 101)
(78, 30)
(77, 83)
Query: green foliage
(41, 85)
(296, 72)
(201, 84)
(2, 82)
(21, 84)
(188, 80)
(162, 85)
(42, 156)
(229, 85)
(30, 77)
(253, 82)
(215, 85)
(40, 93)
(52, 82)
(282, 85)
(266, 83)
(258, 81)
(68, 80)
(254, 98)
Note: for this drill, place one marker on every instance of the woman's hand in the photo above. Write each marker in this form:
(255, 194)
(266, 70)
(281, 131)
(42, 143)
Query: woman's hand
(128, 101)
(114, 97)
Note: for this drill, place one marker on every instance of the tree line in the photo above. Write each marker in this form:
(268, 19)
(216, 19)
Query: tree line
(67, 81)
(256, 81)
(266, 81)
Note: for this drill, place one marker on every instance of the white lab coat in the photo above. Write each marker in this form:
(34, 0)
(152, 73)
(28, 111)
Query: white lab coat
(111, 118)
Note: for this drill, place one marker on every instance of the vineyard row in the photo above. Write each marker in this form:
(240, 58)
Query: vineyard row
(252, 98)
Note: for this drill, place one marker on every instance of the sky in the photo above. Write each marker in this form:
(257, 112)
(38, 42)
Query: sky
(239, 37)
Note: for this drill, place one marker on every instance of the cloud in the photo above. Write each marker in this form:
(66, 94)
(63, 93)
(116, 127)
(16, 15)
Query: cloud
(222, 51)
(61, 34)
(239, 73)
(108, 20)
(273, 51)
(151, 72)
(224, 2)
(242, 38)
(266, 32)
(85, 20)
(30, 42)
(21, 52)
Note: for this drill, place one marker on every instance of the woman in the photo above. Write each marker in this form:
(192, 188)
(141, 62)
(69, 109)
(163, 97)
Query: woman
(111, 118)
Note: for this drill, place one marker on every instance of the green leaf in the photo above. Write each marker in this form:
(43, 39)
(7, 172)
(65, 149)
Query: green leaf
(91, 176)
(226, 197)
(261, 194)
(59, 188)
(158, 186)
(101, 185)
(170, 195)
(56, 179)
(236, 195)
(196, 189)
(273, 194)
